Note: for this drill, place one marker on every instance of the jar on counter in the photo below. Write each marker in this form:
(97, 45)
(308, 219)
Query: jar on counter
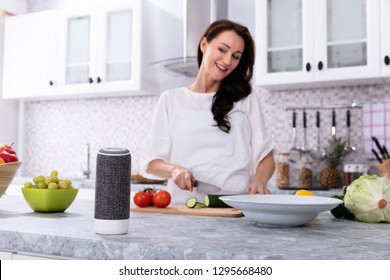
(282, 170)
(305, 174)
(353, 171)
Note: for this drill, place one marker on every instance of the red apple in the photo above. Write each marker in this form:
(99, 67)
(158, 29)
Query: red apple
(8, 157)
(7, 148)
(7, 153)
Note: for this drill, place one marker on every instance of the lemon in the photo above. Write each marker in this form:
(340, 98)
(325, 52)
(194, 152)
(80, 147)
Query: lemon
(304, 192)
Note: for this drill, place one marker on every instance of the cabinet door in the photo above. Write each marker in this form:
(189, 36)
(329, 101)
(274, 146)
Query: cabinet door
(347, 39)
(119, 57)
(284, 30)
(385, 39)
(77, 53)
(30, 44)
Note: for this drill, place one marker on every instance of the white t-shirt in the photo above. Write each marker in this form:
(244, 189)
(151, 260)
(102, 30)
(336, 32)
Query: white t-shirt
(183, 132)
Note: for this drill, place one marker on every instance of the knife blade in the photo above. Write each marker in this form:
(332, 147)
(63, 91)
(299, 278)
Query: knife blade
(378, 145)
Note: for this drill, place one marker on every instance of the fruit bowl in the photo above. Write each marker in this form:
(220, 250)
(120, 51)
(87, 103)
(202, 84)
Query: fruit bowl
(7, 174)
(49, 200)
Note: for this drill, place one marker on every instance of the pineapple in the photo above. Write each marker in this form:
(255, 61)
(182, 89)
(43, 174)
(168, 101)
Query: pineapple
(330, 175)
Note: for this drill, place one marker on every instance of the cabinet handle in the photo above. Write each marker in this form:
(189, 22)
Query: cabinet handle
(90, 80)
(387, 60)
(99, 80)
(320, 65)
(308, 67)
(51, 83)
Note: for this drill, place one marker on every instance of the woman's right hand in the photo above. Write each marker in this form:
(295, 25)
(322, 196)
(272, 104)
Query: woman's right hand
(183, 178)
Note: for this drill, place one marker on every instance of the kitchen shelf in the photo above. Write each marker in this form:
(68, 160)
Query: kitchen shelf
(329, 107)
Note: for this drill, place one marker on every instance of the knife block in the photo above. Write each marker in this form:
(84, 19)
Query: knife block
(384, 168)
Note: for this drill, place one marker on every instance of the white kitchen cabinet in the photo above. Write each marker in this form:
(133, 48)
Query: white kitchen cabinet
(100, 49)
(385, 39)
(305, 43)
(76, 52)
(30, 46)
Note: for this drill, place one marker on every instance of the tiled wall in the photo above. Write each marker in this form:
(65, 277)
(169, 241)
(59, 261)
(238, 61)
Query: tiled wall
(57, 131)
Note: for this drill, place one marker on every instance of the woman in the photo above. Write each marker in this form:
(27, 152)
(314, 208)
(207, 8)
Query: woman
(212, 132)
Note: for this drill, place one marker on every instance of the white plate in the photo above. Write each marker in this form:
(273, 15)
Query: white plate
(281, 210)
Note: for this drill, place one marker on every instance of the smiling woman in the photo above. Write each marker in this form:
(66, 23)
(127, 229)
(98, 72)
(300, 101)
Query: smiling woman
(212, 131)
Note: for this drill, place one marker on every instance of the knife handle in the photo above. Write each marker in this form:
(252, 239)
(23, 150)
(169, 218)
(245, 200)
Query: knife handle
(294, 119)
(318, 119)
(378, 145)
(377, 156)
(333, 117)
(348, 118)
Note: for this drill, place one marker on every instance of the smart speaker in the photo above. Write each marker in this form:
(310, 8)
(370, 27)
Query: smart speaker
(112, 191)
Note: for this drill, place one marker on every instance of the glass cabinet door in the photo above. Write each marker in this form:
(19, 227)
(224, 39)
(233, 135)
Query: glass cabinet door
(346, 33)
(284, 50)
(119, 51)
(77, 50)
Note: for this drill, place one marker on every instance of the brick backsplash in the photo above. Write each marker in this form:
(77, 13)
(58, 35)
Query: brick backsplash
(58, 130)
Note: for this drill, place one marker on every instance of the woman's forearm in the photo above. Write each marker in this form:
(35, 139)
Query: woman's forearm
(264, 171)
(182, 177)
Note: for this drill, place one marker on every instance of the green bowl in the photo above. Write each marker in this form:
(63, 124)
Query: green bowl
(49, 200)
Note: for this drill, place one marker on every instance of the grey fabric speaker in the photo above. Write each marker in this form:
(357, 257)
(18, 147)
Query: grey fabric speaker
(112, 191)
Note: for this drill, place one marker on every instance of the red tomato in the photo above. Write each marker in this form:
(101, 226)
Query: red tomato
(161, 199)
(142, 199)
(152, 191)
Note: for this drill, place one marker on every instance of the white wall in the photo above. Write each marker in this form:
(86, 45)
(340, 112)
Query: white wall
(8, 108)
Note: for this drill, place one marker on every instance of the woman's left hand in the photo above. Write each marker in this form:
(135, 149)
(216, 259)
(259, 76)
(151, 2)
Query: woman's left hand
(258, 188)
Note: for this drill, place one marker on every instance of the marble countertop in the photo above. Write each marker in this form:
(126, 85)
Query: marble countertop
(163, 236)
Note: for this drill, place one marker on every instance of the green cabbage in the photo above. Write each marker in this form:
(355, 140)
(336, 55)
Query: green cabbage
(368, 198)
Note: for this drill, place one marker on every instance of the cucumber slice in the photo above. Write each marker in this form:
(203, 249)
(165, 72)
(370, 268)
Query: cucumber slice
(191, 202)
(212, 200)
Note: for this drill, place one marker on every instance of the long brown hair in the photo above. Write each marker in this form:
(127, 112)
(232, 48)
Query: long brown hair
(237, 85)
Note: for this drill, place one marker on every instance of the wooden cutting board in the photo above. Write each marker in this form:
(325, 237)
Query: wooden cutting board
(184, 210)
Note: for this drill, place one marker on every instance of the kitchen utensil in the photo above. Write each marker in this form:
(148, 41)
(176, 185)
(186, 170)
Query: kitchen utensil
(294, 131)
(281, 210)
(112, 191)
(377, 156)
(385, 151)
(305, 148)
(49, 200)
(184, 210)
(349, 148)
(317, 152)
(380, 149)
(333, 122)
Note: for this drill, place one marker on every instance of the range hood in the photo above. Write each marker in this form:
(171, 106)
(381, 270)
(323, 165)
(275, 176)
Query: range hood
(197, 15)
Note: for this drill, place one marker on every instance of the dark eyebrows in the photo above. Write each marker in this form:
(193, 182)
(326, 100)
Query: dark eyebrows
(230, 48)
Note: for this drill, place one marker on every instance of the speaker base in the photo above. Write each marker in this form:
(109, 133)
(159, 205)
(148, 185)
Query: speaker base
(111, 226)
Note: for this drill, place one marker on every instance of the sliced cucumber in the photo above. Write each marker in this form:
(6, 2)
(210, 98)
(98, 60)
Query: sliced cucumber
(212, 200)
(191, 202)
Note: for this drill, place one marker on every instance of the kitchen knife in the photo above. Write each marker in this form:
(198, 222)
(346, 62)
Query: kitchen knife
(385, 151)
(378, 145)
(377, 156)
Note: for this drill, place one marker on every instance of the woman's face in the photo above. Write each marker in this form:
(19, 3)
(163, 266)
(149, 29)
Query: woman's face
(222, 54)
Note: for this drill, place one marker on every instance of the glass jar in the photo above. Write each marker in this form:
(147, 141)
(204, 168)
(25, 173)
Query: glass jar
(305, 174)
(282, 170)
(353, 171)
